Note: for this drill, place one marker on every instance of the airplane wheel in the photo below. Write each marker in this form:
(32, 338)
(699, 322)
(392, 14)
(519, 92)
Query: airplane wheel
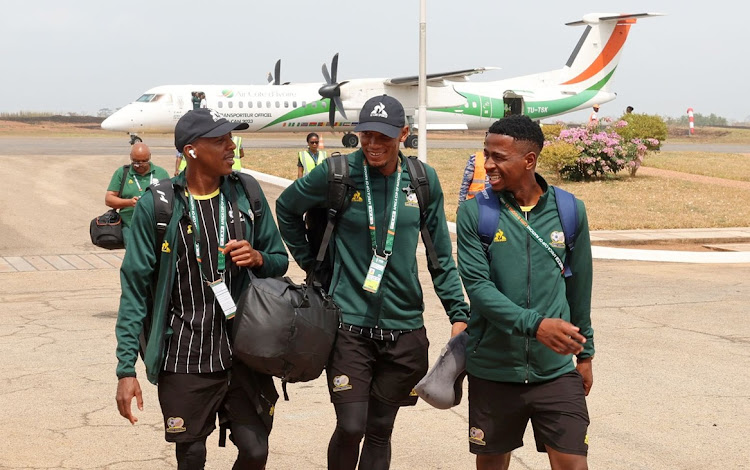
(411, 142)
(350, 140)
(134, 139)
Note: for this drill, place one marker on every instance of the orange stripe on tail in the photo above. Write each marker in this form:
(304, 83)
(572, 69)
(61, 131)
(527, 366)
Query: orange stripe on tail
(614, 44)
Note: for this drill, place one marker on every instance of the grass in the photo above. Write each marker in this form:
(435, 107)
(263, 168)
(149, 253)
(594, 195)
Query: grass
(733, 166)
(619, 203)
(709, 135)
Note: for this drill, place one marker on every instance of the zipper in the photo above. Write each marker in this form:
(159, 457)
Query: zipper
(528, 295)
(481, 337)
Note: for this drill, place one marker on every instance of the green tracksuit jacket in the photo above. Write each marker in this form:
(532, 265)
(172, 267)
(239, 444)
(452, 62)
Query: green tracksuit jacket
(398, 304)
(519, 287)
(142, 288)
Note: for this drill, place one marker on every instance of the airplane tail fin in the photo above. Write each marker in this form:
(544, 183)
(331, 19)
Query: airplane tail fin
(598, 51)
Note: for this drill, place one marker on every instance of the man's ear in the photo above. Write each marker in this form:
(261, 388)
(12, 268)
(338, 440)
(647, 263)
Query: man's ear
(404, 134)
(531, 158)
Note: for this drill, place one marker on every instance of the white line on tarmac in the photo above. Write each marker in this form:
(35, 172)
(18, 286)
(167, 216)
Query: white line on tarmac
(600, 252)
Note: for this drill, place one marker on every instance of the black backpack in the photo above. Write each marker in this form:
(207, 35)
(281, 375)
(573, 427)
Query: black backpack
(321, 222)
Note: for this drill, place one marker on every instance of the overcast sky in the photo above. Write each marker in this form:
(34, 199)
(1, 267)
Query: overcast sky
(83, 55)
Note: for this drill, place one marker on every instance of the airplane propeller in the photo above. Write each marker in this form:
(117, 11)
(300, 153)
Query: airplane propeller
(332, 90)
(276, 77)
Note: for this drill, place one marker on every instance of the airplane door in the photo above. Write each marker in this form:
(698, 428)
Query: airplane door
(512, 103)
(485, 108)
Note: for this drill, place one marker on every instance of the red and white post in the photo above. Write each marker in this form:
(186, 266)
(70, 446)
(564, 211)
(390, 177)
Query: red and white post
(690, 121)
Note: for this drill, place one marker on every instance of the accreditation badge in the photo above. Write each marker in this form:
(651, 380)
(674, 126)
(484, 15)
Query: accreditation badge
(375, 273)
(226, 302)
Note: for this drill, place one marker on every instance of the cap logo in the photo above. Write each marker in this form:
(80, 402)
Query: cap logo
(216, 116)
(379, 111)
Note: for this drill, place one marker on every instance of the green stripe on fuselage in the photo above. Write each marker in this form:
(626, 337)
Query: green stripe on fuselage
(494, 108)
(307, 110)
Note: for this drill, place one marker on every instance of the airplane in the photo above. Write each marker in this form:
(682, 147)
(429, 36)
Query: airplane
(453, 103)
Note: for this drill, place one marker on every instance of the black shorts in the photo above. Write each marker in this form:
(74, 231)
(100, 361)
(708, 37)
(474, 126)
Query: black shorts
(499, 412)
(191, 402)
(361, 367)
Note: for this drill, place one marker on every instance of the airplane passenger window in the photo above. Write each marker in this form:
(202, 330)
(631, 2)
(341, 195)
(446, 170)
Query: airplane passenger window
(260, 104)
(314, 104)
(145, 98)
(323, 104)
(240, 104)
(304, 104)
(278, 105)
(221, 104)
(230, 104)
(268, 104)
(474, 105)
(294, 104)
(286, 104)
(249, 104)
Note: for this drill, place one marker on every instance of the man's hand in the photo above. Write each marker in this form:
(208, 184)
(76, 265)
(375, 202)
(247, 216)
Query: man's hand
(584, 368)
(242, 254)
(134, 200)
(560, 336)
(457, 328)
(127, 389)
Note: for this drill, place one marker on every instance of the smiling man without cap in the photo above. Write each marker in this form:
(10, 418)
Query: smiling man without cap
(381, 348)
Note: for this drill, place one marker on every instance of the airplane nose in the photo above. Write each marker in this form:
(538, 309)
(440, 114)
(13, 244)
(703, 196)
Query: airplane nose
(110, 124)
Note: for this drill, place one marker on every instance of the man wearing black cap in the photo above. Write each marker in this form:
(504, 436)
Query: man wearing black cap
(381, 348)
(184, 300)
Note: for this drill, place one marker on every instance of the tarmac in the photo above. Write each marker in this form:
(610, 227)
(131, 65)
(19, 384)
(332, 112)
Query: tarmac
(670, 374)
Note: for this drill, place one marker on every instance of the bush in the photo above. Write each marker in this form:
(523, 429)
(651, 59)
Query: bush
(600, 151)
(643, 127)
(557, 155)
(551, 131)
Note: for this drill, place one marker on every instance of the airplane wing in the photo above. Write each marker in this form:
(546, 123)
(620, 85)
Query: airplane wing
(455, 76)
(593, 18)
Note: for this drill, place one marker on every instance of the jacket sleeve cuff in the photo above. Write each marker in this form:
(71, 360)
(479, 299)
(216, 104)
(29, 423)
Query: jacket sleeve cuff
(535, 328)
(122, 375)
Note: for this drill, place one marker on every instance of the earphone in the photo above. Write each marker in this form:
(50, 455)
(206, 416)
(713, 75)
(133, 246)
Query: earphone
(192, 153)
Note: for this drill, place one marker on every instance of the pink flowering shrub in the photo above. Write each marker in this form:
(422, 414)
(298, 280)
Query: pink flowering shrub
(601, 151)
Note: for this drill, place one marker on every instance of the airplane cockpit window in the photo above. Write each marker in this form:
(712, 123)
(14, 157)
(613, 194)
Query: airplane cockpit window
(165, 98)
(145, 98)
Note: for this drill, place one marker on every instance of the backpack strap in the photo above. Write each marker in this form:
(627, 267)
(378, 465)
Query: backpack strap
(125, 169)
(163, 192)
(421, 186)
(567, 210)
(340, 188)
(252, 191)
(489, 215)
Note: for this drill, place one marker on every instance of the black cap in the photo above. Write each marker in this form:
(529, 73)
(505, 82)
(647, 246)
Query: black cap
(202, 122)
(382, 114)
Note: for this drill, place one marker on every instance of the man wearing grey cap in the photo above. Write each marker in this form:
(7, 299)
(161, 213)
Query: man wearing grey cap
(381, 348)
(183, 302)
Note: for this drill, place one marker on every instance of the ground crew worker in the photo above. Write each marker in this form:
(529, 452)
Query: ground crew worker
(311, 157)
(474, 180)
(239, 152)
(594, 117)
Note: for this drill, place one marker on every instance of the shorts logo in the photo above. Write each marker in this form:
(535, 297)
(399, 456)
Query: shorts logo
(413, 393)
(476, 436)
(586, 439)
(557, 239)
(341, 383)
(271, 410)
(357, 197)
(500, 237)
(165, 247)
(175, 425)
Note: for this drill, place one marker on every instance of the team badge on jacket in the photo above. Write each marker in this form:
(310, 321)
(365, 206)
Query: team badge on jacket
(557, 239)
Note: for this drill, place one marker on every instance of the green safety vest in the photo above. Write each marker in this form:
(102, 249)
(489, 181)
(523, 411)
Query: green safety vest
(308, 163)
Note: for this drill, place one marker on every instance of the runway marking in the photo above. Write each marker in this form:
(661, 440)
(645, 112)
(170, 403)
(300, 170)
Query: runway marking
(84, 261)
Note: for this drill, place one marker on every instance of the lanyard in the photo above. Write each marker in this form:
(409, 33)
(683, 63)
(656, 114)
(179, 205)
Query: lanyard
(222, 234)
(391, 233)
(535, 235)
(150, 180)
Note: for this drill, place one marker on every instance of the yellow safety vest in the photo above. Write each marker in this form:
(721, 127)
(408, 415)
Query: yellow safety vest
(237, 166)
(478, 181)
(308, 163)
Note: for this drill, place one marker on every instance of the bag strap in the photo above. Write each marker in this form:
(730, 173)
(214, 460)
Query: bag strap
(252, 191)
(489, 216)
(421, 186)
(125, 170)
(163, 192)
(340, 188)
(567, 210)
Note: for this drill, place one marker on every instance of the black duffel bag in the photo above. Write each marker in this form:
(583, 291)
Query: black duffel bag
(285, 329)
(106, 230)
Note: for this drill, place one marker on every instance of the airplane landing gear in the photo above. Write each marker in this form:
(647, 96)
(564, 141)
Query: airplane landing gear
(134, 139)
(350, 140)
(411, 141)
